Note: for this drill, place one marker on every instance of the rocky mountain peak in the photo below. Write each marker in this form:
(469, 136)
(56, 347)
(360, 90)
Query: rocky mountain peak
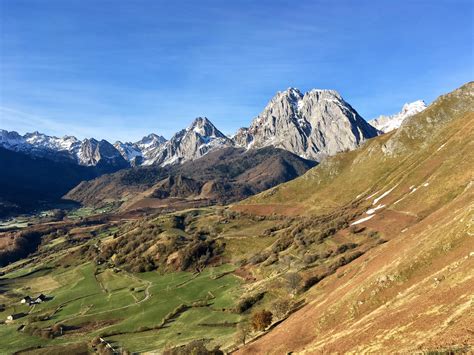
(204, 127)
(311, 125)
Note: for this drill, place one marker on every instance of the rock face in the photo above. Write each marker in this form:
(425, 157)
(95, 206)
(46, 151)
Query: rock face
(94, 153)
(386, 124)
(191, 143)
(314, 125)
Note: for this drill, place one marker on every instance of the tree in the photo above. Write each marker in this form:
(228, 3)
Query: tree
(281, 307)
(261, 319)
(243, 330)
(293, 279)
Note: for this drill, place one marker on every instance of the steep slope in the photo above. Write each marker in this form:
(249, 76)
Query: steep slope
(314, 125)
(223, 175)
(387, 124)
(414, 292)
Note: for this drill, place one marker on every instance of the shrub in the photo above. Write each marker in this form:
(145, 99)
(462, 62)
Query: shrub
(311, 281)
(248, 302)
(356, 229)
(281, 307)
(261, 320)
(342, 248)
(310, 258)
(293, 279)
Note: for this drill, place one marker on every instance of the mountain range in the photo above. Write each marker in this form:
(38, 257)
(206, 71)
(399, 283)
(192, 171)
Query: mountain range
(313, 125)
(369, 250)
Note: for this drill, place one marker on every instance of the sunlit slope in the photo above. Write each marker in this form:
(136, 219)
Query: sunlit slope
(415, 292)
(412, 293)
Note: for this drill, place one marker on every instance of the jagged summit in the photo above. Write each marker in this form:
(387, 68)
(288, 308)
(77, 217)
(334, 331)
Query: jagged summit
(198, 139)
(204, 127)
(312, 125)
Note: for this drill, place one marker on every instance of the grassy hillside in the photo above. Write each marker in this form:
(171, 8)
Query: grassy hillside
(415, 291)
(371, 251)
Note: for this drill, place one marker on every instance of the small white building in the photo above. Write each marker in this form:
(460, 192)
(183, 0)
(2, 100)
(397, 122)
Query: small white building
(26, 300)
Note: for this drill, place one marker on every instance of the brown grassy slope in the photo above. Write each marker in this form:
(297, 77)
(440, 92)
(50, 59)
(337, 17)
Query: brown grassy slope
(414, 292)
(221, 176)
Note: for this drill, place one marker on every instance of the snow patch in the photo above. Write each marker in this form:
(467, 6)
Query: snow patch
(372, 210)
(362, 220)
(383, 195)
(375, 193)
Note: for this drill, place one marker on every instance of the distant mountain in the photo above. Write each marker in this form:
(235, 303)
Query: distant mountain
(143, 152)
(314, 125)
(222, 176)
(88, 152)
(386, 124)
(193, 142)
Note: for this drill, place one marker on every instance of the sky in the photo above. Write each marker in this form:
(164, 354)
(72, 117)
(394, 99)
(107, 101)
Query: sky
(121, 69)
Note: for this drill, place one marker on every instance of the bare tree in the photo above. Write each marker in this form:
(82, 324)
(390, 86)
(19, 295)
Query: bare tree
(294, 280)
(243, 331)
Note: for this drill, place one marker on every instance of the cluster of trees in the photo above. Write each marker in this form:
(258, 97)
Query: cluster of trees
(144, 247)
(45, 333)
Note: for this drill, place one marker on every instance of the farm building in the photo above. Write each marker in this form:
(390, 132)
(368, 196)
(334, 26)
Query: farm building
(40, 298)
(26, 300)
(15, 316)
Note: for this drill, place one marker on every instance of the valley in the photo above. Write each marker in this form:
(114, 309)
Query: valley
(371, 250)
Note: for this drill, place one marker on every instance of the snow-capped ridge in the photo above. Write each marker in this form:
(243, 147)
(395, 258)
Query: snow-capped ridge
(387, 124)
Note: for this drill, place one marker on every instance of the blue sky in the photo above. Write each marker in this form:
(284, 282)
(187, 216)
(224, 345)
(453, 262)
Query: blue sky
(121, 69)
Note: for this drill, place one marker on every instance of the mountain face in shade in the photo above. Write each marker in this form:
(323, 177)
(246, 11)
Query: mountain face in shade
(313, 125)
(387, 124)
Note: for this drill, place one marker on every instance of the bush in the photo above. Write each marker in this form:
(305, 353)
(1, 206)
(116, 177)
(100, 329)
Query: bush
(281, 307)
(196, 347)
(310, 258)
(248, 302)
(293, 279)
(261, 320)
(311, 281)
